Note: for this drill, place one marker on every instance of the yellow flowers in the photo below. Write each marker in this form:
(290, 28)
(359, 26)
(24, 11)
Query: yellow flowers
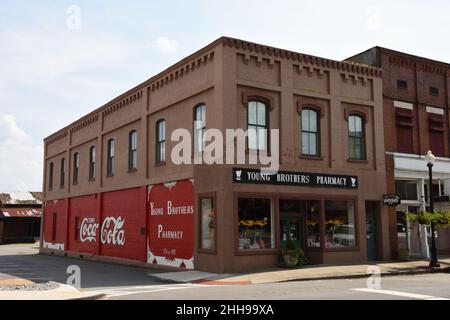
(336, 222)
(253, 223)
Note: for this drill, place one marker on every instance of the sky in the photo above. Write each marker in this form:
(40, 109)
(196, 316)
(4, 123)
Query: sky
(62, 59)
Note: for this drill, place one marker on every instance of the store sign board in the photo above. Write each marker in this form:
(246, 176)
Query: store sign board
(171, 224)
(391, 200)
(290, 178)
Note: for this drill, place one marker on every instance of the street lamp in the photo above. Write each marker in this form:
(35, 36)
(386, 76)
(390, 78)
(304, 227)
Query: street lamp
(430, 159)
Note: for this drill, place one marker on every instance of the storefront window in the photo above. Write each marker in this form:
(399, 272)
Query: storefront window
(407, 190)
(313, 224)
(255, 223)
(208, 223)
(339, 224)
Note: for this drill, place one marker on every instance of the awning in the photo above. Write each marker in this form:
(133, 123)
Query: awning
(20, 213)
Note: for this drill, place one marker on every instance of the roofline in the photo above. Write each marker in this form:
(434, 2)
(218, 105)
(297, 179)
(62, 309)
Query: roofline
(409, 55)
(238, 44)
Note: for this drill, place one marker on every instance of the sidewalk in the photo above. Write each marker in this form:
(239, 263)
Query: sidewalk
(304, 274)
(63, 292)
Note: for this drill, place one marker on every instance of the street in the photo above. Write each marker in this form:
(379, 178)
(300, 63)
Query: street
(125, 282)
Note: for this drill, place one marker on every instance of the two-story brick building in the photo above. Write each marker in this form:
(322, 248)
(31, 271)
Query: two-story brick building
(416, 97)
(112, 190)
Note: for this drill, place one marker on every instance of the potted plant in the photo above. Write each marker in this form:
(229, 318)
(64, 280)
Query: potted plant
(292, 256)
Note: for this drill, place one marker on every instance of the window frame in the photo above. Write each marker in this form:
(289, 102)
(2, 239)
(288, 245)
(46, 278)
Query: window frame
(363, 150)
(92, 162)
(110, 154)
(274, 226)
(62, 174)
(202, 129)
(200, 197)
(132, 150)
(317, 133)
(76, 168)
(160, 158)
(50, 176)
(266, 126)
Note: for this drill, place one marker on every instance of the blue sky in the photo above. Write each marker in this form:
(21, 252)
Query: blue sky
(51, 75)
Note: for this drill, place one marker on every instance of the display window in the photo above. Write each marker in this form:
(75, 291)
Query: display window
(340, 223)
(255, 219)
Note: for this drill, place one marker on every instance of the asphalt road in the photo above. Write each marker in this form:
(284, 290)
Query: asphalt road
(124, 282)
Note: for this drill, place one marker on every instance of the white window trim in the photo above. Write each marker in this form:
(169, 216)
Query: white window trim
(435, 110)
(403, 105)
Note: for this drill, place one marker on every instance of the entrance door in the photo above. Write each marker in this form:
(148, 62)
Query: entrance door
(371, 231)
(291, 225)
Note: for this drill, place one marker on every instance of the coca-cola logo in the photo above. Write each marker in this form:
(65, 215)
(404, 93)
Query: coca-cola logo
(88, 230)
(112, 231)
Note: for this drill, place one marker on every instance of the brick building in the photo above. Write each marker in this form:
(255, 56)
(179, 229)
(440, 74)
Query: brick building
(416, 97)
(112, 191)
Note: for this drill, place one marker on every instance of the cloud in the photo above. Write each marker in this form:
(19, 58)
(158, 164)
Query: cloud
(165, 45)
(21, 161)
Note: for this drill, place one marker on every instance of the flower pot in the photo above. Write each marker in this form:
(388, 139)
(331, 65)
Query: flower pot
(403, 255)
(290, 258)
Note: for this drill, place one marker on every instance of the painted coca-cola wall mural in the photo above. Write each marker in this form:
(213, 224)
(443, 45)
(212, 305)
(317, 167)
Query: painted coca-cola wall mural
(171, 224)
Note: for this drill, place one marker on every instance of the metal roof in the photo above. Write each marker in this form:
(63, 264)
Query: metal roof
(20, 212)
(20, 198)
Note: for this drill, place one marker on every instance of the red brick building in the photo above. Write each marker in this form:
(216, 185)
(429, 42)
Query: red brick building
(112, 191)
(416, 95)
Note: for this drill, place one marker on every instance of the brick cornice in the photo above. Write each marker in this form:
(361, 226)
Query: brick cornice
(345, 66)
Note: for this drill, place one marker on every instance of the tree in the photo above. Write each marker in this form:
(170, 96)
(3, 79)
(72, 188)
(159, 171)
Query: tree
(441, 218)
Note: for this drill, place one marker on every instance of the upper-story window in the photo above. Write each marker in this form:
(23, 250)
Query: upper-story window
(62, 176)
(257, 125)
(310, 132)
(132, 150)
(92, 156)
(110, 157)
(160, 141)
(199, 127)
(402, 84)
(50, 177)
(356, 138)
(76, 167)
(434, 91)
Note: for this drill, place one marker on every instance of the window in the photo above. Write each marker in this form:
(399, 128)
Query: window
(76, 166)
(404, 124)
(406, 190)
(257, 126)
(356, 138)
(208, 224)
(160, 141)
(199, 128)
(310, 133)
(54, 222)
(62, 177)
(339, 223)
(434, 91)
(436, 126)
(50, 177)
(402, 230)
(110, 158)
(436, 189)
(255, 216)
(132, 151)
(402, 84)
(92, 156)
(77, 228)
(313, 224)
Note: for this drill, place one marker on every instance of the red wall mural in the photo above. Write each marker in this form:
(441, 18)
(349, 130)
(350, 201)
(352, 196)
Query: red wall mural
(84, 217)
(55, 225)
(122, 231)
(171, 224)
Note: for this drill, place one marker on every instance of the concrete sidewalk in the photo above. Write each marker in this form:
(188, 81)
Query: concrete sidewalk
(305, 273)
(63, 292)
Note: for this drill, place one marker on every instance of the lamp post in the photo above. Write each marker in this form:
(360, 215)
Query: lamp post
(430, 159)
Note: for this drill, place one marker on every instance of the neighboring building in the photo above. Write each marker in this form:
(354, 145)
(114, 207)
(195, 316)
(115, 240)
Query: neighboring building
(416, 97)
(20, 216)
(112, 192)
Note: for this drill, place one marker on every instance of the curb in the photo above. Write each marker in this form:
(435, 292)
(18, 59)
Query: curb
(98, 296)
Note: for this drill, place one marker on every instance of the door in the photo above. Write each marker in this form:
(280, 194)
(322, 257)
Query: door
(291, 226)
(371, 234)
